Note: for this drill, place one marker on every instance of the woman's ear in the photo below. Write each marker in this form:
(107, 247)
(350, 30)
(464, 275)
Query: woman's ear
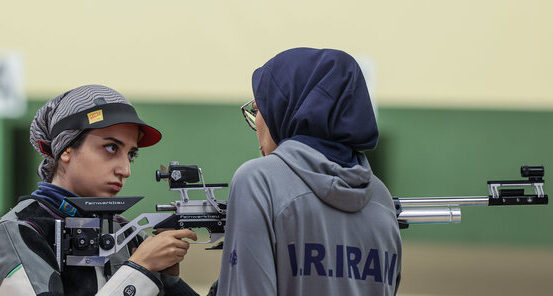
(66, 155)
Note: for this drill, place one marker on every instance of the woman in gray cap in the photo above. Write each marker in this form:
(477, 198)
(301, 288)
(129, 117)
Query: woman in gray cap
(88, 137)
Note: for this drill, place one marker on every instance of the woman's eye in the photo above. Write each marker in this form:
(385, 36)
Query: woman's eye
(132, 156)
(111, 148)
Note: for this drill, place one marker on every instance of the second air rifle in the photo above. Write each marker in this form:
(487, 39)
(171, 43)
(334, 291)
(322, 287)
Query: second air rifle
(425, 210)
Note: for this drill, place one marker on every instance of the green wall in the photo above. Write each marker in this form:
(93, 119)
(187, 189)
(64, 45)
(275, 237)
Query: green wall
(3, 191)
(454, 152)
(422, 152)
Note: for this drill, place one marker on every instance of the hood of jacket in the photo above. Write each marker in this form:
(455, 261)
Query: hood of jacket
(343, 188)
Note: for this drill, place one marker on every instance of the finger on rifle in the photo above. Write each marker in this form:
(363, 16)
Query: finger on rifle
(180, 253)
(160, 230)
(182, 244)
(182, 233)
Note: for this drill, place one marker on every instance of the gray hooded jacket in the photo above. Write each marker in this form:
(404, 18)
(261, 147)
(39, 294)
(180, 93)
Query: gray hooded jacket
(299, 224)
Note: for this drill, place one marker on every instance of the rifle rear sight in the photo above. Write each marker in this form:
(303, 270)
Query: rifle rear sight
(209, 213)
(533, 173)
(181, 176)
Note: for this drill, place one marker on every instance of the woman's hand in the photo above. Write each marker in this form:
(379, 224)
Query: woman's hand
(163, 250)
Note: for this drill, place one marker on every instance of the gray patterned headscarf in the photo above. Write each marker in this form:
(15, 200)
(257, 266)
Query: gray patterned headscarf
(58, 108)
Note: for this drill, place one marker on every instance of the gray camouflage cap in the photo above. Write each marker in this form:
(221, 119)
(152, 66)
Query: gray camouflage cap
(61, 120)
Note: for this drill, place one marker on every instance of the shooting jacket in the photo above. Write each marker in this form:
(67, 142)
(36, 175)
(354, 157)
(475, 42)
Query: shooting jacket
(299, 224)
(28, 263)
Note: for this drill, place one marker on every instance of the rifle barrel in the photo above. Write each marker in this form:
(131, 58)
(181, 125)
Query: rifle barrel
(443, 201)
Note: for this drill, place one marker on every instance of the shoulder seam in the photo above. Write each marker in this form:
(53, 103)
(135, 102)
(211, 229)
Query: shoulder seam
(382, 206)
(293, 200)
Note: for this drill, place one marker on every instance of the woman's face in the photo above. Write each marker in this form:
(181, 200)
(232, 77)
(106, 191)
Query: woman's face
(100, 166)
(266, 143)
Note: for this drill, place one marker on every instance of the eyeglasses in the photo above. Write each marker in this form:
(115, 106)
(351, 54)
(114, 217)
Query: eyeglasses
(249, 113)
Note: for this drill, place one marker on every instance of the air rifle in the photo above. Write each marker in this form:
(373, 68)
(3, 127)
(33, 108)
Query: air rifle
(91, 240)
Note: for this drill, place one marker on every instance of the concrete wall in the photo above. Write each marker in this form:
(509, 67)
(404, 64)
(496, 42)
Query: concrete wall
(493, 54)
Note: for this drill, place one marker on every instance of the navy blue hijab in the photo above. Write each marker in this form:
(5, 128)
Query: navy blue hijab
(318, 97)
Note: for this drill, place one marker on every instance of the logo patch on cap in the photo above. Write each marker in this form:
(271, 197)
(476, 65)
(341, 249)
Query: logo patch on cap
(95, 116)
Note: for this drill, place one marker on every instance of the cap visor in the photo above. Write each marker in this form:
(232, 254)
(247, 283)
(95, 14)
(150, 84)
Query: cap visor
(151, 136)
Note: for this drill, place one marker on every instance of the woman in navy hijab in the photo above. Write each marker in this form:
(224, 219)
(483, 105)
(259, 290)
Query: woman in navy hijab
(310, 217)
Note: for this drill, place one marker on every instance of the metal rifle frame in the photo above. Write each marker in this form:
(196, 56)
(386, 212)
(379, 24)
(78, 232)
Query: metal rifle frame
(83, 241)
(425, 210)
